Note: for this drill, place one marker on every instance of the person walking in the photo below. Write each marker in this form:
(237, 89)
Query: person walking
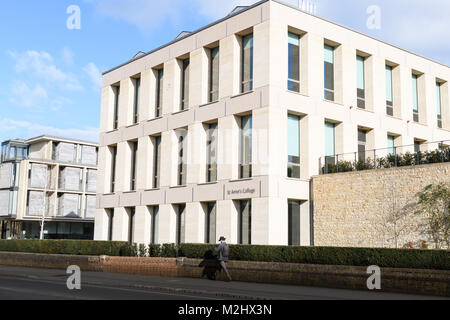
(224, 251)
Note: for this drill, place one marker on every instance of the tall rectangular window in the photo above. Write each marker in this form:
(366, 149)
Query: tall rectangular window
(116, 107)
(182, 157)
(360, 80)
(439, 104)
(131, 212)
(329, 143)
(113, 168)
(210, 230)
(362, 141)
(415, 96)
(389, 92)
(155, 224)
(159, 92)
(157, 162)
(417, 146)
(214, 75)
(391, 144)
(294, 223)
(293, 62)
(181, 223)
(211, 152)
(293, 146)
(245, 170)
(245, 222)
(329, 73)
(134, 150)
(111, 224)
(185, 85)
(247, 63)
(137, 89)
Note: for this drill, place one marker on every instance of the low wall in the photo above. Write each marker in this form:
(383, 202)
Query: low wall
(412, 281)
(373, 208)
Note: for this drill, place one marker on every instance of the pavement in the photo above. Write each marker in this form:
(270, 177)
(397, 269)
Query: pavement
(18, 283)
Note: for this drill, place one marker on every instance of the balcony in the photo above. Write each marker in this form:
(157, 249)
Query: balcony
(401, 156)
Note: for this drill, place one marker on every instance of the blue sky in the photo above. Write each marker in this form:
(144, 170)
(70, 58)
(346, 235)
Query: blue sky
(51, 76)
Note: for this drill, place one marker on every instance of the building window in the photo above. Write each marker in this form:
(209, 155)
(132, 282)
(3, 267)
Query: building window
(214, 75)
(294, 223)
(116, 107)
(182, 157)
(329, 73)
(157, 162)
(293, 146)
(159, 92)
(210, 230)
(245, 170)
(211, 152)
(245, 222)
(134, 151)
(247, 63)
(439, 104)
(330, 151)
(137, 89)
(360, 79)
(294, 62)
(391, 144)
(131, 212)
(113, 168)
(362, 141)
(417, 146)
(185, 85)
(389, 92)
(155, 224)
(181, 223)
(415, 92)
(111, 224)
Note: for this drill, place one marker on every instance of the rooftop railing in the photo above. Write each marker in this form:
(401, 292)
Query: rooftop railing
(399, 156)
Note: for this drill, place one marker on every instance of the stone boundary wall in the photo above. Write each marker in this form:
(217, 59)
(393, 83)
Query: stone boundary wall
(355, 209)
(412, 281)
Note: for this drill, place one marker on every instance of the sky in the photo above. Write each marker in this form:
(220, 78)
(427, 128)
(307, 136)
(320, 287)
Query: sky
(51, 65)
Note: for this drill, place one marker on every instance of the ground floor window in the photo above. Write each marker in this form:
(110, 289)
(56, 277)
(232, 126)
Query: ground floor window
(210, 223)
(293, 223)
(58, 230)
(245, 222)
(110, 224)
(155, 224)
(181, 223)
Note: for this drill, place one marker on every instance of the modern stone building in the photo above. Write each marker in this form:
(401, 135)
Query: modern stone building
(219, 131)
(52, 176)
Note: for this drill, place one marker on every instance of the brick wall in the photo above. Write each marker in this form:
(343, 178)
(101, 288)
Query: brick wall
(353, 209)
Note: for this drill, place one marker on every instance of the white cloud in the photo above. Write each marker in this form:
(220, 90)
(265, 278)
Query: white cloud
(10, 128)
(24, 96)
(41, 65)
(94, 74)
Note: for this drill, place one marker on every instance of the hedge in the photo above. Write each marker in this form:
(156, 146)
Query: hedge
(70, 247)
(393, 258)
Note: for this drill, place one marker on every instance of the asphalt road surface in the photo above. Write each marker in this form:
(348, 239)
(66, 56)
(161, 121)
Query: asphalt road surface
(17, 283)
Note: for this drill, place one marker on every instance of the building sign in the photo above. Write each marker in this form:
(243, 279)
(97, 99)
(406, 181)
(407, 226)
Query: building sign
(244, 191)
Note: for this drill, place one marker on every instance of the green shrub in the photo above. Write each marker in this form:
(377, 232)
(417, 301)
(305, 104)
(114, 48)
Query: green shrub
(71, 247)
(394, 258)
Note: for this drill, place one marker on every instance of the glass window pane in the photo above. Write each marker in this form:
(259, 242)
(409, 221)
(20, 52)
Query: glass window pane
(185, 85)
(391, 144)
(214, 75)
(155, 224)
(438, 99)
(360, 72)
(246, 146)
(294, 223)
(415, 93)
(329, 139)
(293, 135)
(293, 62)
(245, 222)
(247, 63)
(389, 84)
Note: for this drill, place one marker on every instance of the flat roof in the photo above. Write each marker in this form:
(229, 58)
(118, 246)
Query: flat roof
(61, 139)
(251, 7)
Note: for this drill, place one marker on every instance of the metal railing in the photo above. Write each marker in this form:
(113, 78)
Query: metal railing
(399, 156)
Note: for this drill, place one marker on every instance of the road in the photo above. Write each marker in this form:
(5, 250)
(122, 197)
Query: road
(17, 283)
